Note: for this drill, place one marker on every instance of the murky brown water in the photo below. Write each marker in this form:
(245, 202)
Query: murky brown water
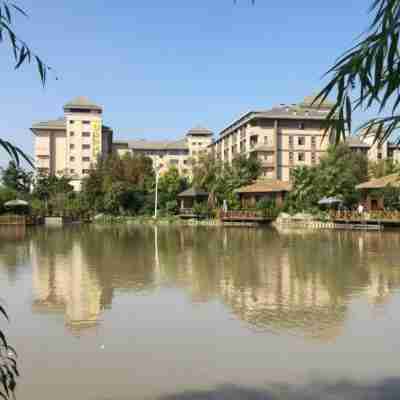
(202, 313)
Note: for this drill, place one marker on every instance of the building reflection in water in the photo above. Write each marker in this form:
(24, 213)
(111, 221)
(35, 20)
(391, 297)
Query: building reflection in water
(65, 283)
(298, 282)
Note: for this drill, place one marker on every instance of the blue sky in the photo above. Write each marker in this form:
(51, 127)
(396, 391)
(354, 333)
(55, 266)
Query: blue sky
(160, 67)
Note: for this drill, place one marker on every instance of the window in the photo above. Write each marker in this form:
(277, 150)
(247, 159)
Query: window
(71, 146)
(301, 140)
(313, 141)
(185, 162)
(72, 171)
(85, 171)
(85, 146)
(313, 158)
(291, 157)
(86, 134)
(71, 121)
(379, 156)
(302, 157)
(301, 125)
(72, 133)
(290, 141)
(72, 159)
(85, 159)
(265, 139)
(86, 122)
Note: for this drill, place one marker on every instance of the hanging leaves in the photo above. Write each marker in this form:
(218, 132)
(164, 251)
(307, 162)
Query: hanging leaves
(369, 75)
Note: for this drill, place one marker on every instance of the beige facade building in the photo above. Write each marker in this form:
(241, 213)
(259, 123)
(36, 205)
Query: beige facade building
(72, 144)
(282, 138)
(167, 153)
(374, 150)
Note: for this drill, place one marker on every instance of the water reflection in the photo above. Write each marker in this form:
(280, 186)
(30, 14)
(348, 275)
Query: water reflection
(296, 282)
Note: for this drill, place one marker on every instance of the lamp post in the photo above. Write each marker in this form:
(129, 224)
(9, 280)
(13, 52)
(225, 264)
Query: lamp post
(157, 172)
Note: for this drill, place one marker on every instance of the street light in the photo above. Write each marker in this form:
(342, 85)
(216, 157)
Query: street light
(157, 172)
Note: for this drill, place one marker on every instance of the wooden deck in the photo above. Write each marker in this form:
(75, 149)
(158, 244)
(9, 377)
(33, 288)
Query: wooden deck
(245, 217)
(376, 218)
(12, 220)
(20, 220)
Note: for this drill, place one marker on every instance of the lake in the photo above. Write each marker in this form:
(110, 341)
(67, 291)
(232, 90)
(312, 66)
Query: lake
(136, 312)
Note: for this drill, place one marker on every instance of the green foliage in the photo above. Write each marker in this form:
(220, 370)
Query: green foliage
(22, 54)
(8, 364)
(170, 185)
(391, 197)
(201, 209)
(16, 178)
(47, 186)
(381, 168)
(337, 175)
(221, 179)
(126, 186)
(267, 207)
(6, 194)
(368, 75)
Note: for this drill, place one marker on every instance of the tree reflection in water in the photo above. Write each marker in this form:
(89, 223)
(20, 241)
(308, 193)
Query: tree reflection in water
(297, 282)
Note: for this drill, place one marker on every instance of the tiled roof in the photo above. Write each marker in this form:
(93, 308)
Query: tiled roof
(82, 102)
(356, 141)
(380, 183)
(193, 192)
(199, 131)
(266, 186)
(51, 124)
(142, 144)
(300, 111)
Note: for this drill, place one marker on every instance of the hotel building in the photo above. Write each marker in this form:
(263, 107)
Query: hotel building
(374, 150)
(168, 153)
(282, 138)
(72, 144)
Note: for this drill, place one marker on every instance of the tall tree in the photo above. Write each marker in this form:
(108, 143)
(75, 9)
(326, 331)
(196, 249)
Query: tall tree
(368, 75)
(16, 178)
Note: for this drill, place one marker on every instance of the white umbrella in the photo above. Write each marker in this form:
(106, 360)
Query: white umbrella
(328, 201)
(16, 203)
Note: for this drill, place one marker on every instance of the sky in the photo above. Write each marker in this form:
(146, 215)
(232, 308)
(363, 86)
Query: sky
(160, 67)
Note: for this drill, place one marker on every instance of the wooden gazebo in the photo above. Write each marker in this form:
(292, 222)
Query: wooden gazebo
(189, 197)
(370, 200)
(264, 189)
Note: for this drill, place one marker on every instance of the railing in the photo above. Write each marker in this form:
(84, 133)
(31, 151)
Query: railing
(186, 211)
(383, 215)
(12, 220)
(247, 215)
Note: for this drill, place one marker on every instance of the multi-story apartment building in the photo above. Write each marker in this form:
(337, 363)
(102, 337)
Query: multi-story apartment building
(168, 153)
(374, 150)
(284, 137)
(72, 144)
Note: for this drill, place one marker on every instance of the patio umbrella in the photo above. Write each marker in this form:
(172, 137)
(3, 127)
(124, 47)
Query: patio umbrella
(330, 201)
(16, 203)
